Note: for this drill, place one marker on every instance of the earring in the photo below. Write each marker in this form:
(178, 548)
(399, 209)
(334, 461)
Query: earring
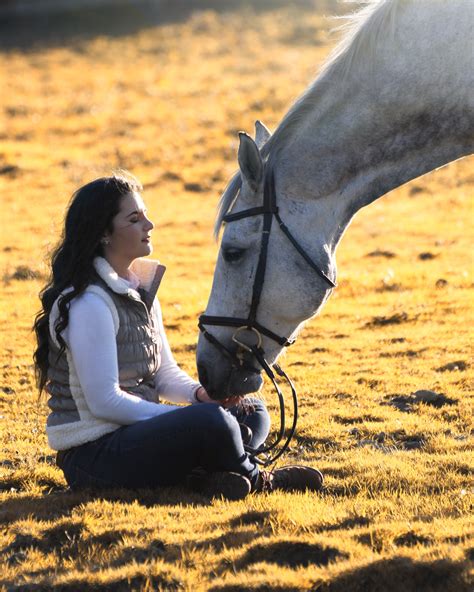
(104, 241)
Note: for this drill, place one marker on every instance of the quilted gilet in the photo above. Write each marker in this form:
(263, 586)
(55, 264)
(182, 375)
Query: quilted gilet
(138, 355)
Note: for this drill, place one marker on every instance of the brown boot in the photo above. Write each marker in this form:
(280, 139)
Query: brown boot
(231, 486)
(290, 478)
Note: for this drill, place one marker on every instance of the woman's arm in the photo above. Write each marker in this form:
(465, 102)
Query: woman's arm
(171, 382)
(90, 336)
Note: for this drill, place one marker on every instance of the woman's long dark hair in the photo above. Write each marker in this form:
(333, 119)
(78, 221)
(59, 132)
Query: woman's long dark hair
(88, 218)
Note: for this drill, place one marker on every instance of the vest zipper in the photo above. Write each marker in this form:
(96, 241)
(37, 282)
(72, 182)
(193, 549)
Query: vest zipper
(154, 338)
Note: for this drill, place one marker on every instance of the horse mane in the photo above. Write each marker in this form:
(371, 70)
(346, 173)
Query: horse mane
(361, 32)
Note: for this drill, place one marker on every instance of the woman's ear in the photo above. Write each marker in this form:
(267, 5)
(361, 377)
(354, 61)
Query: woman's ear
(105, 240)
(250, 161)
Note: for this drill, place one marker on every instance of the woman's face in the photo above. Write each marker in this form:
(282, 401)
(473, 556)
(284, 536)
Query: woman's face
(130, 238)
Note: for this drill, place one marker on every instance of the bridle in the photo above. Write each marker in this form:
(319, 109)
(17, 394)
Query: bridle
(268, 210)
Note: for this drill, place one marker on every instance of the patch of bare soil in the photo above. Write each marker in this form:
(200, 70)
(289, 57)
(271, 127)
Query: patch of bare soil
(458, 366)
(407, 403)
(395, 319)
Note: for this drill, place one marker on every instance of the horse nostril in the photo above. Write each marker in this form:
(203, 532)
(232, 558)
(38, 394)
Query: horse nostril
(203, 376)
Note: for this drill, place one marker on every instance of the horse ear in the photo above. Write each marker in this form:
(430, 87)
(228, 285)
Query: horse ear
(262, 134)
(250, 161)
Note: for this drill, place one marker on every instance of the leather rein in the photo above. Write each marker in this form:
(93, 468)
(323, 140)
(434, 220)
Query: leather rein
(269, 211)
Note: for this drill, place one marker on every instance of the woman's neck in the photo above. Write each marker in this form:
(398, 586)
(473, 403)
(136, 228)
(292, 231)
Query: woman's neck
(120, 266)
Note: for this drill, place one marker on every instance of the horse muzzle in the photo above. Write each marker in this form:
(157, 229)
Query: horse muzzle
(222, 377)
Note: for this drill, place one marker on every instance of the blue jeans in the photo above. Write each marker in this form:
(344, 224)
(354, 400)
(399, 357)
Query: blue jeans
(162, 450)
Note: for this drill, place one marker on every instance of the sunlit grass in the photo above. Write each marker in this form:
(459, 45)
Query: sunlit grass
(167, 103)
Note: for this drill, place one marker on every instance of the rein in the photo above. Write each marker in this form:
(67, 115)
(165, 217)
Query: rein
(269, 210)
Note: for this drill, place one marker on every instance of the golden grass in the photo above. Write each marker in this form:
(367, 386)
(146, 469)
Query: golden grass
(166, 103)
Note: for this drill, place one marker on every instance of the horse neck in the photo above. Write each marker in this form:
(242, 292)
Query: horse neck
(364, 130)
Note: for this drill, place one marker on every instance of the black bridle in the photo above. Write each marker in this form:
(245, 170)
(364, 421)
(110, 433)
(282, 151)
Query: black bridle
(269, 210)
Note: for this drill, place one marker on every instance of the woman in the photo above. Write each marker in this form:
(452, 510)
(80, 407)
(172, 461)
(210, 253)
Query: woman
(104, 360)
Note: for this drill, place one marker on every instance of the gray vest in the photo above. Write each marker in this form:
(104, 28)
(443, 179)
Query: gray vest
(138, 353)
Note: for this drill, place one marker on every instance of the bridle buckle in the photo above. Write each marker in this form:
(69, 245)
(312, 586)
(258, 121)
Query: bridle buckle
(245, 346)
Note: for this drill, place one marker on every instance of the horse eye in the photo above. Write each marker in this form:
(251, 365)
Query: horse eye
(232, 255)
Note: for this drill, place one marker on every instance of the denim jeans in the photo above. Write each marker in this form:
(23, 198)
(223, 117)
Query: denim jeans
(162, 450)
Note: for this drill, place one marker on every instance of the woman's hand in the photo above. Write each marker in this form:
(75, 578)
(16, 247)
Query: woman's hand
(202, 397)
(231, 401)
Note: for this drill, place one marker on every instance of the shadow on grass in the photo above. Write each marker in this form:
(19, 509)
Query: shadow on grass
(231, 540)
(136, 554)
(347, 524)
(62, 539)
(353, 420)
(53, 29)
(402, 573)
(291, 554)
(157, 549)
(61, 504)
(68, 539)
(124, 584)
(388, 575)
(310, 442)
(262, 588)
(252, 518)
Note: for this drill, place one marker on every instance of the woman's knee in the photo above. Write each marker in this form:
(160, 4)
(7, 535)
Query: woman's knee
(255, 415)
(216, 417)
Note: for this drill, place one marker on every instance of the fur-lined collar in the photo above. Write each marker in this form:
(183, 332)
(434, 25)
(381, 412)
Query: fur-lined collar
(149, 273)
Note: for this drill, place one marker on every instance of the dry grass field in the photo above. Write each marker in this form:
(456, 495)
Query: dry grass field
(165, 101)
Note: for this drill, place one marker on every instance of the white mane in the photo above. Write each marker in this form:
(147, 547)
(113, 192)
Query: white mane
(357, 48)
(361, 32)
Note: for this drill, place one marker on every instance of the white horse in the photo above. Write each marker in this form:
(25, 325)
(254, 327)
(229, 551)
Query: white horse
(394, 101)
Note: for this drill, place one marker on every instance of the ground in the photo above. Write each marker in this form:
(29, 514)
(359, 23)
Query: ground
(164, 96)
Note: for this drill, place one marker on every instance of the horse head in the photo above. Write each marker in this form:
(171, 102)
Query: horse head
(263, 289)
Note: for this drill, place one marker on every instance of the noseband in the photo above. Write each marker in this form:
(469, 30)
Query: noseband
(250, 325)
